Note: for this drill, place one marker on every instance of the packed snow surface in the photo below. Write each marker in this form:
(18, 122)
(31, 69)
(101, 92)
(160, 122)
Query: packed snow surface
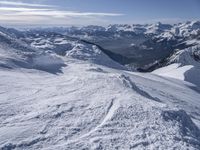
(89, 106)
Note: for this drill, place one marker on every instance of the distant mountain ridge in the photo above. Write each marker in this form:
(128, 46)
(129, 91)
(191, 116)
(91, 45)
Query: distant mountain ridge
(140, 47)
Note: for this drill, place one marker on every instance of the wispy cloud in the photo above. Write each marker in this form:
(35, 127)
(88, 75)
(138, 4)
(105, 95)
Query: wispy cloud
(18, 12)
(21, 9)
(23, 4)
(57, 13)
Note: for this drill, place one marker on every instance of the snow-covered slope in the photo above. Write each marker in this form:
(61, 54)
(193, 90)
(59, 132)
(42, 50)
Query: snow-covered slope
(91, 106)
(92, 102)
(14, 53)
(183, 65)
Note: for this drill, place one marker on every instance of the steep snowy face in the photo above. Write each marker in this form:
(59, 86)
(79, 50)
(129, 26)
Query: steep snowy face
(188, 28)
(158, 28)
(184, 65)
(13, 51)
(188, 56)
(92, 54)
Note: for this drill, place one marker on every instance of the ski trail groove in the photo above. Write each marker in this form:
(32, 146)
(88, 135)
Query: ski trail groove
(113, 106)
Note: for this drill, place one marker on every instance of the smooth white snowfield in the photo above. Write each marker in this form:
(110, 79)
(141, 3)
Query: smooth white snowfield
(89, 106)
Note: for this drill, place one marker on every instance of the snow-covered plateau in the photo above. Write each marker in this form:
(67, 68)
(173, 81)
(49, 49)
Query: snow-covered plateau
(59, 92)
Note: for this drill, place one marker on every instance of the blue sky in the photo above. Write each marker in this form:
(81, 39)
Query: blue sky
(97, 12)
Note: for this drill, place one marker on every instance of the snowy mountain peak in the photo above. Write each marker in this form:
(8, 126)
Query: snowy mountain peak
(195, 25)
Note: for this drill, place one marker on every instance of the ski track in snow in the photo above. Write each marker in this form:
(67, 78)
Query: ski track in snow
(114, 104)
